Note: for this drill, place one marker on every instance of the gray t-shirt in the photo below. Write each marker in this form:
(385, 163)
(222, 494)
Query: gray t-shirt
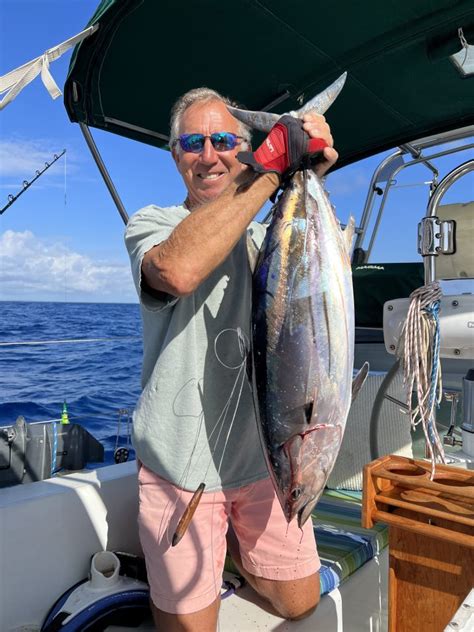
(195, 419)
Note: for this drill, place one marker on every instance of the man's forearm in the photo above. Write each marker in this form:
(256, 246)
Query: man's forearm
(204, 239)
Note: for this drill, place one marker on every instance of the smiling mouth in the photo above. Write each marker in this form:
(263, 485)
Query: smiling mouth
(210, 176)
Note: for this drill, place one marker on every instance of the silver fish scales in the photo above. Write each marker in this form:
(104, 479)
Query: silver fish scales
(303, 334)
(303, 340)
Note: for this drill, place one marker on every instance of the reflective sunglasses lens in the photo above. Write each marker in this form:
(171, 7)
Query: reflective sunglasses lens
(223, 141)
(192, 142)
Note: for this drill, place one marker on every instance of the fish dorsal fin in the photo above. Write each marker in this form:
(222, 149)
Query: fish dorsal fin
(348, 235)
(264, 121)
(359, 380)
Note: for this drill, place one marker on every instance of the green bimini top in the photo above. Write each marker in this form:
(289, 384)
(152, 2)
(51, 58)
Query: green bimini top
(274, 54)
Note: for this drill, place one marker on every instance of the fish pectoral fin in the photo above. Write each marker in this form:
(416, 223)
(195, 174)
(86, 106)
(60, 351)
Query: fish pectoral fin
(359, 380)
(348, 236)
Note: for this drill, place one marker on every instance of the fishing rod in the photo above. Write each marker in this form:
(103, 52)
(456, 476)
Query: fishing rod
(26, 184)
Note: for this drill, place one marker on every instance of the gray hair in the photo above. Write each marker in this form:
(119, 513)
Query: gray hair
(201, 95)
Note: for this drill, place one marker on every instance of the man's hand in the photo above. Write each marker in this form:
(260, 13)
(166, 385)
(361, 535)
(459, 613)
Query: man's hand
(289, 144)
(316, 126)
(287, 148)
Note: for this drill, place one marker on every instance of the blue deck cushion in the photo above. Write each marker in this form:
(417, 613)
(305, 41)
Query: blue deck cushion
(343, 545)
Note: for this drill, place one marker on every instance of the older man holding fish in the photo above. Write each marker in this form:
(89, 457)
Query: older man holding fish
(195, 423)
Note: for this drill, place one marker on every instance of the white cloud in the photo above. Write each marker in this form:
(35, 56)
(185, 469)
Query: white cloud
(32, 268)
(21, 158)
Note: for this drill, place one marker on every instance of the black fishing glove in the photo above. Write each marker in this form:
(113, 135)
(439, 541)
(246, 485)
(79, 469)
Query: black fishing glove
(286, 149)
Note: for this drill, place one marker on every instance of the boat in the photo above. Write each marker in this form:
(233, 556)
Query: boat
(408, 89)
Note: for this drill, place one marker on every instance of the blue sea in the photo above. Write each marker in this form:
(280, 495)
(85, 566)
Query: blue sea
(96, 379)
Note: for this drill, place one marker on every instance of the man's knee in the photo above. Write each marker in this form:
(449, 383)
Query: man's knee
(297, 610)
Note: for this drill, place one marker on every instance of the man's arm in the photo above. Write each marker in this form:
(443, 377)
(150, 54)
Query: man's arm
(204, 239)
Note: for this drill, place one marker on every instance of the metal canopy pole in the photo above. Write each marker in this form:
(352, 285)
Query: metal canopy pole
(383, 167)
(385, 164)
(416, 153)
(103, 170)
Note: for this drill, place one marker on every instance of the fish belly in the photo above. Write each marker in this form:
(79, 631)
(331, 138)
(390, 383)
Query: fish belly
(303, 337)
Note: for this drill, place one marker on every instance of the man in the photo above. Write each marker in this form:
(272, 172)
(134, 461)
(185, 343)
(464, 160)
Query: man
(195, 420)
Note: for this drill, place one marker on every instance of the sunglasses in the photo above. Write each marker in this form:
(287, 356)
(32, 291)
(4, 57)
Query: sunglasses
(221, 141)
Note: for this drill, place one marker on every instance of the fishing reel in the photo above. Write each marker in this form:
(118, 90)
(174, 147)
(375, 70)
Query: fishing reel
(121, 455)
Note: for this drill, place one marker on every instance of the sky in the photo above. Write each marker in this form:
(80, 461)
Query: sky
(62, 240)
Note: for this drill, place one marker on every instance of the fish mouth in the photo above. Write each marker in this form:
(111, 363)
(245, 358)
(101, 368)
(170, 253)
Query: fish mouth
(305, 513)
(301, 511)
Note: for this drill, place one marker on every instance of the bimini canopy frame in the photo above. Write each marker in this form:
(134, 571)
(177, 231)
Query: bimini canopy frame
(401, 84)
(384, 177)
(272, 54)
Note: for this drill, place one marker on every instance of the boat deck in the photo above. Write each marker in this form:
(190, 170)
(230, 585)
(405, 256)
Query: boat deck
(358, 605)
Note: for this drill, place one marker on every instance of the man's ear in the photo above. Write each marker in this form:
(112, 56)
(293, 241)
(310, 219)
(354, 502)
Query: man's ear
(247, 148)
(175, 155)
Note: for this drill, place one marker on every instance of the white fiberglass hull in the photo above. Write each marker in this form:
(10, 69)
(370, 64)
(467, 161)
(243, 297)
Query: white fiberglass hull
(50, 529)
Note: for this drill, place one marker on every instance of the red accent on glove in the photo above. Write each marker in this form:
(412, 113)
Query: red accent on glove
(272, 153)
(286, 149)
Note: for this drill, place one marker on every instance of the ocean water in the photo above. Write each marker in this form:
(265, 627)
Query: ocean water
(97, 379)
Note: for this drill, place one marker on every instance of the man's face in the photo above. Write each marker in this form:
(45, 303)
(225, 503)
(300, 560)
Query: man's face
(208, 173)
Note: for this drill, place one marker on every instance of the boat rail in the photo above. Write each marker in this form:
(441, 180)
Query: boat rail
(393, 164)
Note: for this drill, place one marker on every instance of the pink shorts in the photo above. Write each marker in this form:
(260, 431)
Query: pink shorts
(187, 578)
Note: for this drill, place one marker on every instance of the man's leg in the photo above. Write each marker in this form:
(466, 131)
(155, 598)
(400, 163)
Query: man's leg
(280, 561)
(185, 580)
(201, 621)
(291, 599)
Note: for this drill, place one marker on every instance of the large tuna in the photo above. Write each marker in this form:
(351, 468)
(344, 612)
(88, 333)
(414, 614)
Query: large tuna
(303, 332)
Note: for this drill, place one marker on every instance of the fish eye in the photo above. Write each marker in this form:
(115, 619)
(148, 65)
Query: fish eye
(296, 493)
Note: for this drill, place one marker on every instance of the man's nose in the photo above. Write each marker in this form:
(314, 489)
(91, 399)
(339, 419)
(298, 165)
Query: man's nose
(208, 154)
